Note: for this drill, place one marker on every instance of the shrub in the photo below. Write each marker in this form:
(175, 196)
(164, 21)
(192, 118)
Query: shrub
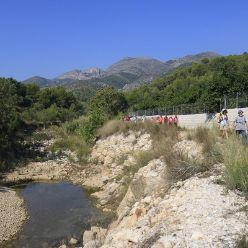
(74, 143)
(92, 123)
(113, 126)
(68, 136)
(235, 157)
(107, 101)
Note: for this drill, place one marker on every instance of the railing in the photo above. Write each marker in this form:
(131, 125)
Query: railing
(239, 101)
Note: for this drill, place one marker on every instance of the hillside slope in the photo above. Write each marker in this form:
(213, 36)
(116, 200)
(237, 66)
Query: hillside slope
(127, 73)
(203, 84)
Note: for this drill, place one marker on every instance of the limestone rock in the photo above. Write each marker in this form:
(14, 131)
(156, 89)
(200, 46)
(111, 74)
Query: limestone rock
(94, 237)
(200, 213)
(190, 149)
(147, 180)
(73, 241)
(63, 246)
(197, 235)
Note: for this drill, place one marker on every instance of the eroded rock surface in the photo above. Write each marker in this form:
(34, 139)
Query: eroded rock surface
(108, 159)
(190, 149)
(150, 179)
(48, 170)
(195, 213)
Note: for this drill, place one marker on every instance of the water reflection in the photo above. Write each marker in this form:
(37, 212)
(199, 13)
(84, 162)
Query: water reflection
(58, 211)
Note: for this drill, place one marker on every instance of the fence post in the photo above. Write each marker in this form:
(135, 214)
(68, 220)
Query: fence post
(237, 100)
(224, 101)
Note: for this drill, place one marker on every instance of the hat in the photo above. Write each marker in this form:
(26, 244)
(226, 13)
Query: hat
(240, 111)
(223, 111)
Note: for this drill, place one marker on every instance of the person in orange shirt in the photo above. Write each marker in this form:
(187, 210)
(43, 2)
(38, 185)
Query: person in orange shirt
(165, 120)
(175, 120)
(160, 119)
(170, 120)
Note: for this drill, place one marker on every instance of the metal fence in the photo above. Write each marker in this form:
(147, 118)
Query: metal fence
(239, 101)
(226, 101)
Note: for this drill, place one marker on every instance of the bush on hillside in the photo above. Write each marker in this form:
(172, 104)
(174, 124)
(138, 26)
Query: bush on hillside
(107, 101)
(68, 137)
(106, 104)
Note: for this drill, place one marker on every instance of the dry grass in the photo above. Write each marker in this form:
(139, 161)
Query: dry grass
(121, 159)
(207, 137)
(164, 138)
(118, 126)
(235, 157)
(113, 126)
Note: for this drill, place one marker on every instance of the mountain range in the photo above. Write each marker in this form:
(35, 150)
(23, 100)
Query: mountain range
(127, 73)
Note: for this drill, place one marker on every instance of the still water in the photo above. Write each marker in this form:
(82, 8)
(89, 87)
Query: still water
(57, 212)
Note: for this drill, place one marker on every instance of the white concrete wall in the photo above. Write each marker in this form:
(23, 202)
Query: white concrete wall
(196, 120)
(192, 121)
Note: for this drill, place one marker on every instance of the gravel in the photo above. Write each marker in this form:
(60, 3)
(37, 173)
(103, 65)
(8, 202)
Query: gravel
(12, 213)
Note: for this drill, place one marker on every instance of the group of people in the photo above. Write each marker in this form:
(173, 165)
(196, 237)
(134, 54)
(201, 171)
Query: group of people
(167, 120)
(239, 124)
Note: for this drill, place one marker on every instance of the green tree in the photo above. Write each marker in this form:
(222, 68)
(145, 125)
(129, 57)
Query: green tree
(9, 117)
(108, 102)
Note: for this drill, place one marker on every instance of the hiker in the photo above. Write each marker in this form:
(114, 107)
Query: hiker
(175, 120)
(165, 120)
(241, 126)
(170, 120)
(223, 123)
(160, 119)
(126, 118)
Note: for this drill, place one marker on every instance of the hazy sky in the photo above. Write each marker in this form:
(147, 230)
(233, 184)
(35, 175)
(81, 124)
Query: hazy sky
(49, 37)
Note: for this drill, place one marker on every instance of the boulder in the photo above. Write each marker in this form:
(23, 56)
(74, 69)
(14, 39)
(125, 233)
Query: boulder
(95, 237)
(73, 241)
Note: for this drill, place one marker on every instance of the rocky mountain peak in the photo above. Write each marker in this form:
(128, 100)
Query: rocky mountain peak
(93, 70)
(77, 74)
(128, 72)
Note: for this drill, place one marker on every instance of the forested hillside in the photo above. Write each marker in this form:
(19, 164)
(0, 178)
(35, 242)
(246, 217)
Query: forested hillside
(204, 83)
(23, 106)
(201, 83)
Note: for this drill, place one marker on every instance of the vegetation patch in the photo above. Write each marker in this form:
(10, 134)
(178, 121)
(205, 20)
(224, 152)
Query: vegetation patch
(235, 157)
(68, 137)
(202, 84)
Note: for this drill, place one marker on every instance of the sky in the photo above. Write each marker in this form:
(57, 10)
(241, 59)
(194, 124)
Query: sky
(50, 37)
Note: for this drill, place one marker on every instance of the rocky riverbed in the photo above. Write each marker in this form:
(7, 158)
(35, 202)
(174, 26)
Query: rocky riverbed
(12, 213)
(152, 211)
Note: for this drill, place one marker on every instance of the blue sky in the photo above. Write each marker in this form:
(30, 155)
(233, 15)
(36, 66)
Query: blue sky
(49, 37)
